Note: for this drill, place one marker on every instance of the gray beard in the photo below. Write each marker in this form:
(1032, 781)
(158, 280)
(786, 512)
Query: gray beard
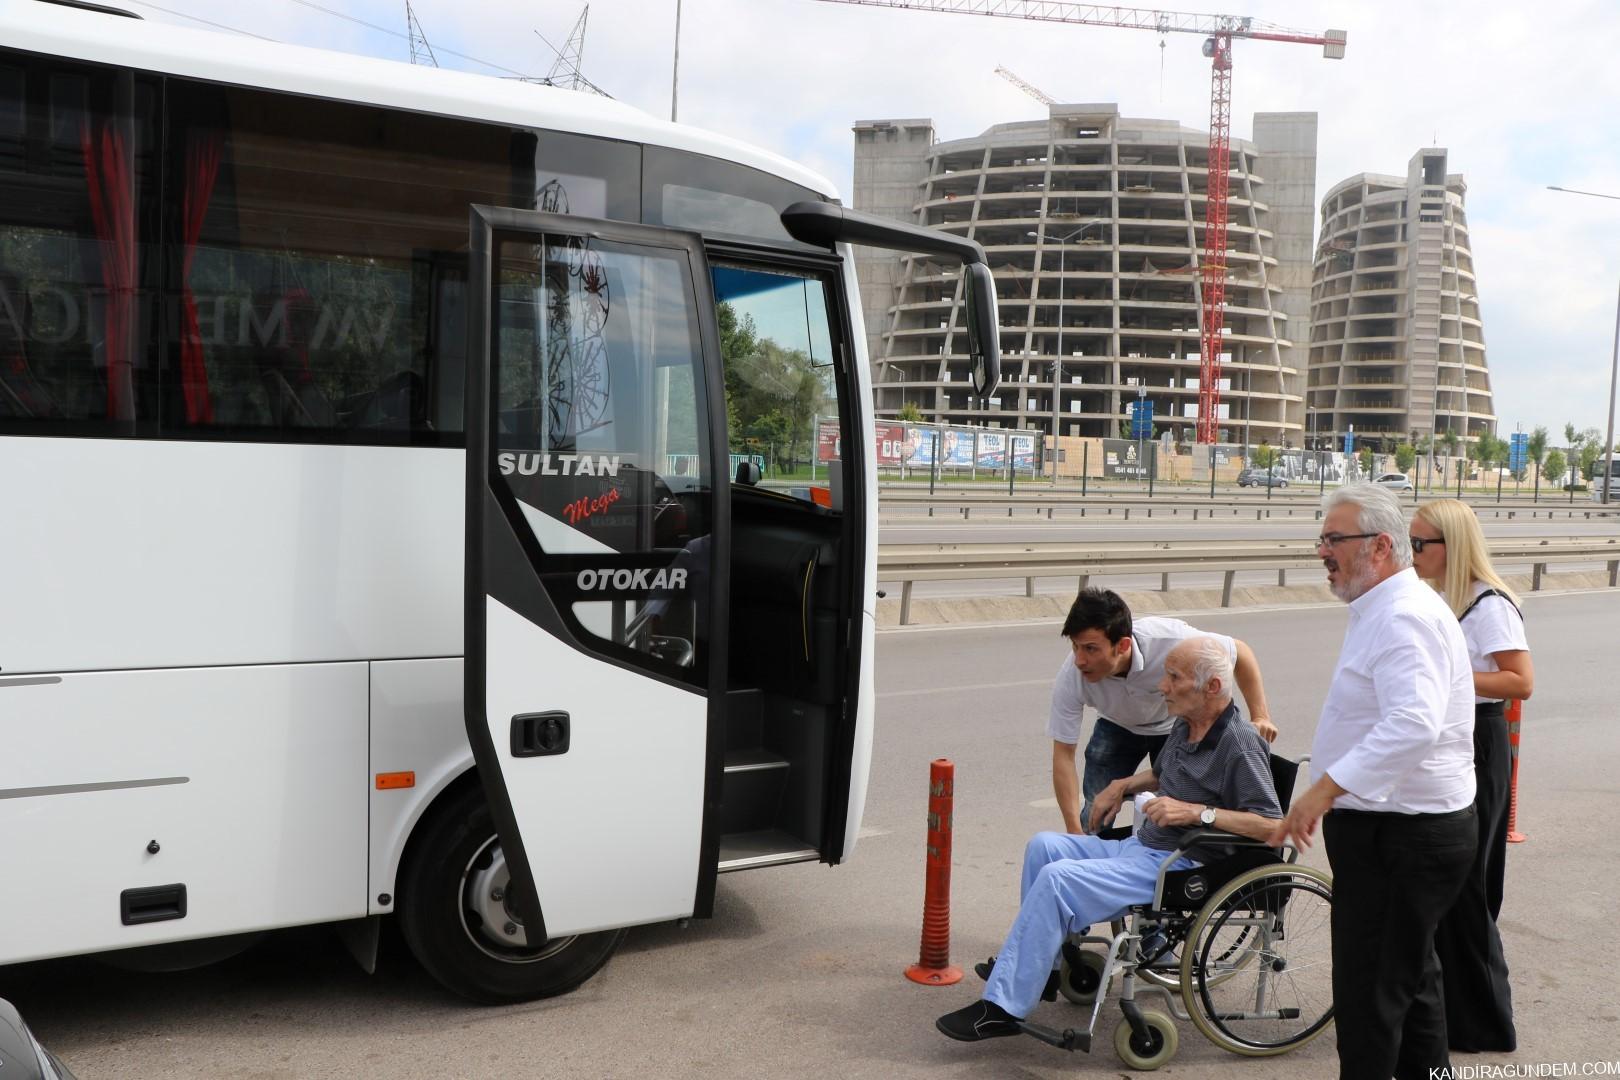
(1354, 588)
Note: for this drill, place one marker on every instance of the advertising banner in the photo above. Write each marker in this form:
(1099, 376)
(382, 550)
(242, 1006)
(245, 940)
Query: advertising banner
(1122, 458)
(1023, 453)
(992, 452)
(889, 443)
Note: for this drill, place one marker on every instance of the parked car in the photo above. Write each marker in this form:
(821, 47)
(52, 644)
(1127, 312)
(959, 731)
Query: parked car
(21, 1056)
(1395, 481)
(1253, 477)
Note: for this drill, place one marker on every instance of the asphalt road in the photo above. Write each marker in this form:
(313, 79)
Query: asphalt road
(800, 970)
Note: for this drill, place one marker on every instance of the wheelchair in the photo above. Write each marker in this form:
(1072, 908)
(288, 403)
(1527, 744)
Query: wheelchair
(1255, 969)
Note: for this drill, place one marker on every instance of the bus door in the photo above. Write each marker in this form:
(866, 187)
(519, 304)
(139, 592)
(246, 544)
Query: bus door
(598, 553)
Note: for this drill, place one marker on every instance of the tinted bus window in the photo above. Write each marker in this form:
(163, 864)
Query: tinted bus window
(316, 274)
(78, 257)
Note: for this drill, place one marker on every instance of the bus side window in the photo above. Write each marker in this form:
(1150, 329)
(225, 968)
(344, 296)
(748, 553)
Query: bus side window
(78, 224)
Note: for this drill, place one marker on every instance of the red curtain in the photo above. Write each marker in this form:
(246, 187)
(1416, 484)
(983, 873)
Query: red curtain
(202, 169)
(112, 208)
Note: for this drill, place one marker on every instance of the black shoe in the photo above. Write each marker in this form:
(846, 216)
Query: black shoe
(980, 1020)
(1049, 992)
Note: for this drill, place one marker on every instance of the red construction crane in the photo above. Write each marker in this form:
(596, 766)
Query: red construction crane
(1219, 30)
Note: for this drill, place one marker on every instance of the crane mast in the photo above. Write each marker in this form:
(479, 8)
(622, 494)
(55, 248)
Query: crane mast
(1219, 31)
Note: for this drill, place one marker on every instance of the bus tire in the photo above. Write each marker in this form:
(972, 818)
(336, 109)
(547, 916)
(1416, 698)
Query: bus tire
(470, 943)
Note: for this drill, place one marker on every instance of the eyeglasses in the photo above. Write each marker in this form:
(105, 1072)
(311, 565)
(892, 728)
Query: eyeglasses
(1419, 542)
(1328, 540)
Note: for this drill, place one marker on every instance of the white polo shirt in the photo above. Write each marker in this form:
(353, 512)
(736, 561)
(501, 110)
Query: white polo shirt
(1131, 700)
(1397, 728)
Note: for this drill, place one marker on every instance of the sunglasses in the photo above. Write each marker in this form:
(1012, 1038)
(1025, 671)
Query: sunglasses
(1419, 543)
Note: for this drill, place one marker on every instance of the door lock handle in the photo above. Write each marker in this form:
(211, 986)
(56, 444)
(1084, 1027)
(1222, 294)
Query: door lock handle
(540, 734)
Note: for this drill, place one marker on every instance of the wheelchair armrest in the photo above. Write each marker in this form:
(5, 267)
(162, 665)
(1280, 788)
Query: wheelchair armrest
(1213, 836)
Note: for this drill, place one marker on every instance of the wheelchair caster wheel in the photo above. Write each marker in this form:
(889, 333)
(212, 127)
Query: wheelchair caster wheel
(1146, 1052)
(1081, 986)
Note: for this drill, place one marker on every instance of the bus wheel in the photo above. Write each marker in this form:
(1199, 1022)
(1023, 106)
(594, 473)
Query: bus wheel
(454, 915)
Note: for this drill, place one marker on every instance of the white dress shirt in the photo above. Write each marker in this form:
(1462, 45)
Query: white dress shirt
(1131, 700)
(1397, 729)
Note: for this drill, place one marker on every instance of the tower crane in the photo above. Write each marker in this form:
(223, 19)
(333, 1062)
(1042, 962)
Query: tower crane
(1024, 86)
(1219, 32)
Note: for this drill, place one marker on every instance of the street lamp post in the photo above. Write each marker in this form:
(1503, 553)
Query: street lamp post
(1057, 363)
(1614, 362)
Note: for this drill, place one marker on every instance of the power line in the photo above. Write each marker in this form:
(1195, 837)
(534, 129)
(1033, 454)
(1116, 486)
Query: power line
(195, 18)
(395, 33)
(335, 14)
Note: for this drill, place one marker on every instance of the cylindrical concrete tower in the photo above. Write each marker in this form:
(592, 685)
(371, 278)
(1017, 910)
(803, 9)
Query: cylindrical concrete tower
(1397, 349)
(1093, 225)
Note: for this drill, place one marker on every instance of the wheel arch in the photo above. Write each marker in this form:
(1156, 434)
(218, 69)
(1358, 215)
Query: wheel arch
(447, 787)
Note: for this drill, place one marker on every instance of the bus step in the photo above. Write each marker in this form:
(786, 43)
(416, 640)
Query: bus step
(765, 847)
(751, 790)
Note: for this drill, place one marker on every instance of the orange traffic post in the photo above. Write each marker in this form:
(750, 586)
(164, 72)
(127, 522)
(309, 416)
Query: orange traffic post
(933, 966)
(1514, 710)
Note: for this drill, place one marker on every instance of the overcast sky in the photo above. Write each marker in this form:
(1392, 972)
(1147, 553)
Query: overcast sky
(1522, 95)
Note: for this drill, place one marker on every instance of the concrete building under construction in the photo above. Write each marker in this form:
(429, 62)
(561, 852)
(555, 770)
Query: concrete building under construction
(1397, 348)
(1093, 224)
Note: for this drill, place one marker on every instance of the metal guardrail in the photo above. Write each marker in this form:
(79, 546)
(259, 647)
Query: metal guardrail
(911, 563)
(1190, 507)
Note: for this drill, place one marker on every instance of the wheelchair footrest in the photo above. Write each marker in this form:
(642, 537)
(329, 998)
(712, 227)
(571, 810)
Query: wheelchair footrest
(1067, 1039)
(1277, 1014)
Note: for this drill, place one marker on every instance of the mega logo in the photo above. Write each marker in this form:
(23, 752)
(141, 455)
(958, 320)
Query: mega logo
(643, 580)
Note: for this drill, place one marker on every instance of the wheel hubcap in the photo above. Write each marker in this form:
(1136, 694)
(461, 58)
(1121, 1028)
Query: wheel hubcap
(487, 915)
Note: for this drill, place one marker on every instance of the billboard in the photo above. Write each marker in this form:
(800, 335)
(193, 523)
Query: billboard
(888, 443)
(964, 448)
(1123, 458)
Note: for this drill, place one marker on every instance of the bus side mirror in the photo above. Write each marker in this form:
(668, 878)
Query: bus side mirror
(983, 327)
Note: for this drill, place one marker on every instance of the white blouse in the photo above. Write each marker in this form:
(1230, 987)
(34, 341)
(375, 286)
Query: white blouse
(1493, 626)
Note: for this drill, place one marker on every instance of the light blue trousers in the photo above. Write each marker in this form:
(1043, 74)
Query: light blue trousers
(1070, 882)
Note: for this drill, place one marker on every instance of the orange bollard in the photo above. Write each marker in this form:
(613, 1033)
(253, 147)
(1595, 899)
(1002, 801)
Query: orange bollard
(1514, 710)
(933, 966)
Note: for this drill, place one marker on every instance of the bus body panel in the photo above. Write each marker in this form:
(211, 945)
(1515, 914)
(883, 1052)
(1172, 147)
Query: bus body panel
(633, 771)
(244, 784)
(153, 554)
(416, 727)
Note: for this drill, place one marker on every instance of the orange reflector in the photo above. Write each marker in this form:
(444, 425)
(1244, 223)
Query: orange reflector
(821, 496)
(387, 781)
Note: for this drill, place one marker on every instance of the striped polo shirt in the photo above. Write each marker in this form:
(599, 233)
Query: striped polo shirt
(1229, 769)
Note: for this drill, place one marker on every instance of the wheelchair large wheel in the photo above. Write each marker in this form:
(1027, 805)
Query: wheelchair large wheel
(1257, 973)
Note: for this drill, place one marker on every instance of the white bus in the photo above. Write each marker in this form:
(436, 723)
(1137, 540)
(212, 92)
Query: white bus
(276, 648)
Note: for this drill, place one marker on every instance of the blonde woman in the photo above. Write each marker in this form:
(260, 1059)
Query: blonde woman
(1448, 550)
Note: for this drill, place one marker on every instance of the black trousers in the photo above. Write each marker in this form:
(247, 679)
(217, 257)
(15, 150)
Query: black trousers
(1394, 876)
(1479, 1003)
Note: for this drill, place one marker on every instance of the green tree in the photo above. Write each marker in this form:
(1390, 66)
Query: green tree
(1553, 470)
(1405, 457)
(909, 413)
(1367, 458)
(1536, 445)
(738, 340)
(1591, 449)
(1265, 456)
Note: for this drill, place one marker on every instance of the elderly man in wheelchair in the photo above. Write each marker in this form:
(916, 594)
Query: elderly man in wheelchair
(1196, 876)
